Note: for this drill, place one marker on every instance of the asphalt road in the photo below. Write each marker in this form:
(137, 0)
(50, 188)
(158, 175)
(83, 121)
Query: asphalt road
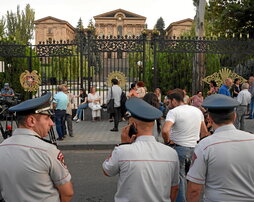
(90, 185)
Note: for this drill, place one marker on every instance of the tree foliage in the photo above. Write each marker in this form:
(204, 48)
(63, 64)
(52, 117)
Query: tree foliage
(20, 25)
(80, 25)
(160, 26)
(231, 16)
(2, 27)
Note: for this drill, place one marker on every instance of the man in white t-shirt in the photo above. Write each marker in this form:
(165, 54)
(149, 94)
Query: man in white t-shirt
(183, 127)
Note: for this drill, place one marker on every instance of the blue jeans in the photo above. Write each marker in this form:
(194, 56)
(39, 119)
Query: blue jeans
(80, 109)
(60, 120)
(251, 116)
(162, 108)
(184, 155)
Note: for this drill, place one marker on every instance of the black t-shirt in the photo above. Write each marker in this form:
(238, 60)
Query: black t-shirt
(83, 97)
(236, 89)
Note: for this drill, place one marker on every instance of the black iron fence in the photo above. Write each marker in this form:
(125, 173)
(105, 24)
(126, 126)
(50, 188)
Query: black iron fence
(166, 63)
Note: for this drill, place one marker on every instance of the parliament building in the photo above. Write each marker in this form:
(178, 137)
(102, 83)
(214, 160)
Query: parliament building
(113, 23)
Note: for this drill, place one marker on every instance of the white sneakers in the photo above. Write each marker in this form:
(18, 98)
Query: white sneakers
(76, 119)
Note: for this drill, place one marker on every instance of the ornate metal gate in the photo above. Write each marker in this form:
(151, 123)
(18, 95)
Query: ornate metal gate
(160, 62)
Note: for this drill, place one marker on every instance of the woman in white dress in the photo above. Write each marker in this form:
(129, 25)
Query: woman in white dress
(94, 104)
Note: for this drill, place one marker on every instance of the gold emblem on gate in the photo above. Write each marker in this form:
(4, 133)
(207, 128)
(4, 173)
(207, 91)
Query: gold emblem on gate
(116, 75)
(220, 76)
(30, 81)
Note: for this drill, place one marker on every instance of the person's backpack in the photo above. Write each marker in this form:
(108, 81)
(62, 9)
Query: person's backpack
(122, 101)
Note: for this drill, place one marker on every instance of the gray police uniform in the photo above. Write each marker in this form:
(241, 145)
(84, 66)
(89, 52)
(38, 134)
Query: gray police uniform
(30, 168)
(223, 162)
(147, 169)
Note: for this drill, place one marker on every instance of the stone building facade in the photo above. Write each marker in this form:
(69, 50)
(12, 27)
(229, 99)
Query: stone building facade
(119, 22)
(53, 29)
(114, 23)
(179, 27)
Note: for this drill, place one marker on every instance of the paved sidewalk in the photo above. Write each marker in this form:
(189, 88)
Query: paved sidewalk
(97, 135)
(92, 135)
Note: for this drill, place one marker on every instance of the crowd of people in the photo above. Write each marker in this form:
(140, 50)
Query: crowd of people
(188, 121)
(191, 162)
(63, 101)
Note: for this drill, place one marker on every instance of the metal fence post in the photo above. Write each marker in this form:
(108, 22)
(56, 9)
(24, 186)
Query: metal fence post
(144, 55)
(81, 43)
(89, 58)
(155, 37)
(30, 66)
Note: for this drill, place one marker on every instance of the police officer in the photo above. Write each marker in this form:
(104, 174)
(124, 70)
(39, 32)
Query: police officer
(148, 170)
(222, 162)
(31, 168)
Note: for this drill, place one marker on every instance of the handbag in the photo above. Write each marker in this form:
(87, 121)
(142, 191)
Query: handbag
(96, 106)
(110, 104)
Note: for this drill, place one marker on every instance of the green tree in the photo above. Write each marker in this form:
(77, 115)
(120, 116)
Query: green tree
(160, 26)
(2, 27)
(91, 26)
(231, 16)
(20, 25)
(80, 24)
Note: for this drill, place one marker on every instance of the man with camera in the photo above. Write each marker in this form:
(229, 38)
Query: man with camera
(33, 169)
(7, 90)
(148, 170)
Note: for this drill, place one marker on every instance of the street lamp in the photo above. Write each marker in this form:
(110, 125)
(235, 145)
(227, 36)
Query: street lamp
(140, 69)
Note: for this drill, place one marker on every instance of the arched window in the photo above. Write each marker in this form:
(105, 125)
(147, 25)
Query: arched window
(120, 30)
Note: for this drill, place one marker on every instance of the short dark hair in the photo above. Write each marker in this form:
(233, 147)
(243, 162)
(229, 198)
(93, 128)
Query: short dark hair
(214, 83)
(21, 119)
(236, 79)
(114, 81)
(133, 85)
(175, 95)
(222, 118)
(180, 91)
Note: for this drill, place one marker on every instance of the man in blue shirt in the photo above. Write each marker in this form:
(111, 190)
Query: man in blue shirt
(6, 90)
(60, 102)
(224, 89)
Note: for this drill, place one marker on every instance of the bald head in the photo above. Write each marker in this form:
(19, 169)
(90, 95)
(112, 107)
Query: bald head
(251, 79)
(228, 82)
(245, 86)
